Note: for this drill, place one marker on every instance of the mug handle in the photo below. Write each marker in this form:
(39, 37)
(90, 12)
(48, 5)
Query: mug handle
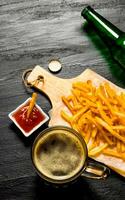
(95, 170)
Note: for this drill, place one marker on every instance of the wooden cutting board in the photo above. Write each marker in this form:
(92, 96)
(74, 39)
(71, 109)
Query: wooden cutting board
(56, 87)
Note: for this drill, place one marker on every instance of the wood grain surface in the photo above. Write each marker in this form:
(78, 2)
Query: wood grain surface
(33, 32)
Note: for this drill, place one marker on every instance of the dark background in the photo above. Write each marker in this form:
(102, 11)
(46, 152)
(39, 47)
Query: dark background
(32, 32)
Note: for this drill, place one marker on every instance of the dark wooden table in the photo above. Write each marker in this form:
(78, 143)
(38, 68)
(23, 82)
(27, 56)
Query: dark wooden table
(32, 32)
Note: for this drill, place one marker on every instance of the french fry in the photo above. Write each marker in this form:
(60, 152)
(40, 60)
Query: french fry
(94, 132)
(81, 86)
(77, 116)
(65, 116)
(32, 103)
(67, 104)
(111, 152)
(101, 130)
(106, 126)
(103, 114)
(97, 150)
(74, 101)
(92, 145)
(110, 92)
(98, 114)
(122, 147)
(118, 127)
(77, 107)
(69, 98)
(88, 135)
(118, 147)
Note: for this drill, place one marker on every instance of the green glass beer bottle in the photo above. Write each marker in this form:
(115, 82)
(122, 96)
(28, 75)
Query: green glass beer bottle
(110, 34)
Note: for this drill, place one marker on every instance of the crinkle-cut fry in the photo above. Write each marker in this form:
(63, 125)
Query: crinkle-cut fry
(97, 150)
(106, 126)
(65, 101)
(114, 153)
(106, 138)
(103, 114)
(65, 116)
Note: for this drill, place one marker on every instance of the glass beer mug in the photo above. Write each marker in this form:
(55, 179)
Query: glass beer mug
(60, 156)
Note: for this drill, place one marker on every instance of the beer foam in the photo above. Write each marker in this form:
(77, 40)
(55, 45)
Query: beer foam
(59, 155)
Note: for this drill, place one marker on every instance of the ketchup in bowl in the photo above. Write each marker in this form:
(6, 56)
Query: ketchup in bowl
(28, 124)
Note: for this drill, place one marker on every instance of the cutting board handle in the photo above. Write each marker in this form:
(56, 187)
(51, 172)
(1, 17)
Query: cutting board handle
(53, 87)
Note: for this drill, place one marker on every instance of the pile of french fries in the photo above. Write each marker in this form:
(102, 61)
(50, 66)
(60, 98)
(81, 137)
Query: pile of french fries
(98, 114)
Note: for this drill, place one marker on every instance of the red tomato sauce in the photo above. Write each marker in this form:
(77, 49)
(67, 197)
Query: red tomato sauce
(27, 124)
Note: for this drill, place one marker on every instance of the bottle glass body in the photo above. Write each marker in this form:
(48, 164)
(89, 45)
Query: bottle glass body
(110, 34)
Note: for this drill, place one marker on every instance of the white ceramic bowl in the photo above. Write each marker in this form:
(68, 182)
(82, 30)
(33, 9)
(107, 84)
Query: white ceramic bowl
(46, 118)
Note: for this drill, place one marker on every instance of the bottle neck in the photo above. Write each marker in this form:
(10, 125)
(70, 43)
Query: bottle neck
(102, 26)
